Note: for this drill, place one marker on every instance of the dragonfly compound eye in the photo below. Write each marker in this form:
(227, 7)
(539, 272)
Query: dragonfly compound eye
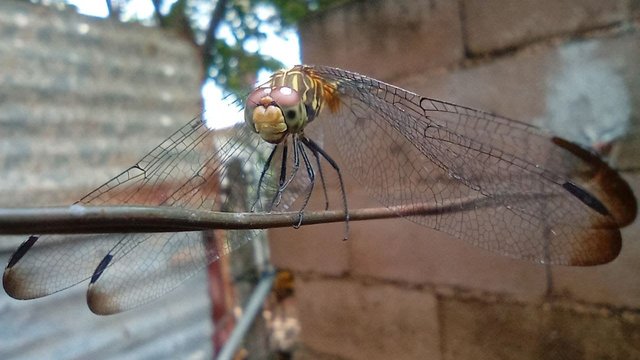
(285, 96)
(292, 106)
(253, 101)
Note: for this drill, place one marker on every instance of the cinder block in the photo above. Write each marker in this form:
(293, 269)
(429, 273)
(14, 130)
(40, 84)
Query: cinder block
(304, 353)
(359, 321)
(315, 248)
(501, 24)
(398, 250)
(634, 9)
(479, 330)
(586, 91)
(576, 333)
(513, 87)
(385, 39)
(476, 330)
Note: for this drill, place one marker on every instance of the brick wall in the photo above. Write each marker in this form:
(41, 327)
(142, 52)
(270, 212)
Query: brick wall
(397, 290)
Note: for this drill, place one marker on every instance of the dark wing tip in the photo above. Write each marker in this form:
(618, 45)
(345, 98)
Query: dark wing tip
(11, 285)
(101, 303)
(21, 251)
(13, 279)
(598, 249)
(602, 184)
(586, 198)
(100, 268)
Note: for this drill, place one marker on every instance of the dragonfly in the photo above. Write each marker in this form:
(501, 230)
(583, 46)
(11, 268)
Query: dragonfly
(523, 192)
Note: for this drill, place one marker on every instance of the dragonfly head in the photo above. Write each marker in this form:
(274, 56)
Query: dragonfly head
(275, 112)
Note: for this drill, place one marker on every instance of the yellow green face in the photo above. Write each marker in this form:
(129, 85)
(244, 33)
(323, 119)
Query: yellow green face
(274, 112)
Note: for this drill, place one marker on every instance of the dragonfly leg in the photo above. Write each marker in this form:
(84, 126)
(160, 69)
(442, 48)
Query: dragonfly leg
(264, 171)
(311, 174)
(324, 185)
(283, 176)
(284, 181)
(296, 164)
(315, 147)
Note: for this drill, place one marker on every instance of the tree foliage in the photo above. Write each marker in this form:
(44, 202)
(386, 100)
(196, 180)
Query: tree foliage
(229, 61)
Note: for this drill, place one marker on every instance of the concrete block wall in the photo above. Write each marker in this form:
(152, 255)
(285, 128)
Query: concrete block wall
(398, 290)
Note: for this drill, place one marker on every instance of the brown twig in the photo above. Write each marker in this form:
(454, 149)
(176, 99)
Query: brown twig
(81, 219)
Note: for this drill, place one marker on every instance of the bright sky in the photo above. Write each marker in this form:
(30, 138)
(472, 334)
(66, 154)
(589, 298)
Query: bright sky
(285, 49)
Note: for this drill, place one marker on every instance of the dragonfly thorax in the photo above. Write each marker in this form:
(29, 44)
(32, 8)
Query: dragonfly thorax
(275, 112)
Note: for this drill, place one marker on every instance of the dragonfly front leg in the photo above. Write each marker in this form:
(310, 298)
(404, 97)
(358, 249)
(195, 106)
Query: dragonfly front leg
(311, 175)
(296, 164)
(283, 176)
(284, 181)
(316, 149)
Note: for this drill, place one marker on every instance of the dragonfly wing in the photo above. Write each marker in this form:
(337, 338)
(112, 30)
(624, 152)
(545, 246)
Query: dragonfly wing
(560, 159)
(196, 168)
(533, 197)
(144, 267)
(46, 264)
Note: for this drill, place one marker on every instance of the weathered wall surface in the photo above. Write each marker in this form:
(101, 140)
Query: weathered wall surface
(397, 290)
(79, 92)
(81, 99)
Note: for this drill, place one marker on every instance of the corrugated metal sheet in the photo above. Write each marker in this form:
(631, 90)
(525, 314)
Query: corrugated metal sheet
(84, 96)
(80, 100)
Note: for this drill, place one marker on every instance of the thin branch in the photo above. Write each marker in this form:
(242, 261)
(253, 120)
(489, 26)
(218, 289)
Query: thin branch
(113, 10)
(217, 14)
(79, 219)
(127, 219)
(157, 5)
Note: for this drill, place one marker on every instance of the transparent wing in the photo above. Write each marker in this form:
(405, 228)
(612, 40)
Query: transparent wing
(534, 196)
(196, 168)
